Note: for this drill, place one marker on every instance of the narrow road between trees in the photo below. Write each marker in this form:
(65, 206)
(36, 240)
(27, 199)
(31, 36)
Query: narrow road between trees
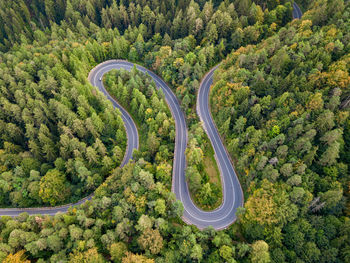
(95, 78)
(219, 218)
(232, 191)
(232, 195)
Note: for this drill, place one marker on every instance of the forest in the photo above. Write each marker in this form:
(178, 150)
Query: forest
(280, 100)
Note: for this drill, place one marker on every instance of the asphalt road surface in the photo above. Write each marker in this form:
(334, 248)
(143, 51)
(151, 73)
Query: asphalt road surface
(296, 11)
(219, 218)
(232, 193)
(95, 78)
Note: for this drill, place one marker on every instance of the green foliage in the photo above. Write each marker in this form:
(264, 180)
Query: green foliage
(281, 105)
(117, 251)
(260, 252)
(206, 193)
(138, 94)
(51, 119)
(53, 187)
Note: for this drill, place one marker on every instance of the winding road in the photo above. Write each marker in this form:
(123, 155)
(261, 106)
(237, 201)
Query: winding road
(219, 218)
(232, 194)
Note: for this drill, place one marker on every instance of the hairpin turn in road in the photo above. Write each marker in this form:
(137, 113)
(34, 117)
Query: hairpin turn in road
(232, 193)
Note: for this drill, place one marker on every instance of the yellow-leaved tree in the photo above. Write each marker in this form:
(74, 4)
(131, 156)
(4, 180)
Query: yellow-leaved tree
(18, 257)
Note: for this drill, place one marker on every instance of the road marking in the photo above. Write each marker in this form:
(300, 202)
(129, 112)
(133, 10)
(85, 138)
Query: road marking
(178, 165)
(194, 215)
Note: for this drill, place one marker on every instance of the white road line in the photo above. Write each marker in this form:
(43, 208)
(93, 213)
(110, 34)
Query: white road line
(194, 215)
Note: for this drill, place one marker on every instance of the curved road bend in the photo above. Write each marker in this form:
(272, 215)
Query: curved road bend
(232, 192)
(95, 78)
(133, 143)
(219, 218)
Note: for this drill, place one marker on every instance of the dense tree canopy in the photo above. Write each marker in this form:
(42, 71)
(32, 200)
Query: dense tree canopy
(282, 107)
(51, 122)
(280, 101)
